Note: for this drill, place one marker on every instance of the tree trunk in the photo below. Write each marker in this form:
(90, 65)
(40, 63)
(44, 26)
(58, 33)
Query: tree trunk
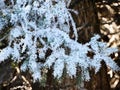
(87, 19)
(99, 81)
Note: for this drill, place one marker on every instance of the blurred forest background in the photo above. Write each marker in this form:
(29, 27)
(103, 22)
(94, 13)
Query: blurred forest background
(94, 17)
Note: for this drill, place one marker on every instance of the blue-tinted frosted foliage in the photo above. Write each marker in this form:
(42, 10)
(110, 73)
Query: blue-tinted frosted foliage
(41, 27)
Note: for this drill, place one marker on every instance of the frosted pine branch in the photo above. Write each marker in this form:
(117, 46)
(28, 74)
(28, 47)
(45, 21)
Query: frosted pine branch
(43, 26)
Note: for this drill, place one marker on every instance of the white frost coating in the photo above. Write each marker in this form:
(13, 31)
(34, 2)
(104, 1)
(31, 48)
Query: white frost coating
(71, 67)
(16, 53)
(85, 75)
(3, 22)
(16, 32)
(35, 69)
(2, 4)
(102, 52)
(5, 53)
(68, 2)
(41, 31)
(42, 53)
(58, 68)
(24, 66)
(27, 9)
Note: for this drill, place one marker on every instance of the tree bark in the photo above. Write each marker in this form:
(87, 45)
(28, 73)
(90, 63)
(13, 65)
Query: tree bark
(86, 20)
